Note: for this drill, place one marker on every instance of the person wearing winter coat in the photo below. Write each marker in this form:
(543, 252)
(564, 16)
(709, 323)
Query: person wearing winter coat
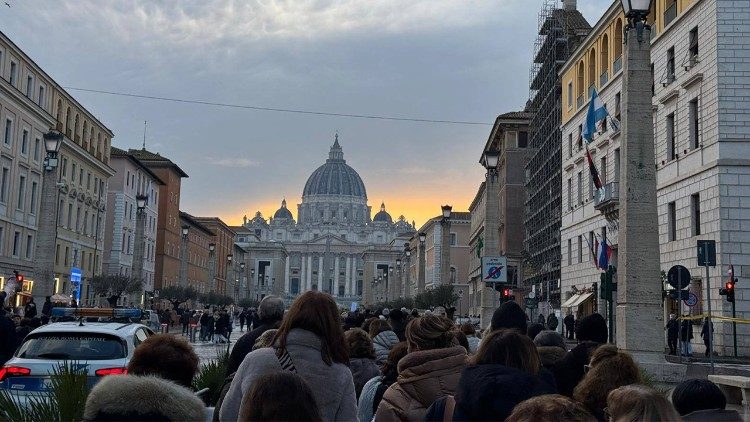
(372, 392)
(686, 335)
(609, 369)
(570, 369)
(310, 343)
(504, 373)
(551, 348)
(706, 335)
(430, 370)
(383, 339)
(270, 313)
(361, 357)
(142, 398)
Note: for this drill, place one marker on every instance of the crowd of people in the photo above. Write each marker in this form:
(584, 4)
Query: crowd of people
(312, 362)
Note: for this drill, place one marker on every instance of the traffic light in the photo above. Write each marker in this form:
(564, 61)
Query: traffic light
(729, 287)
(19, 277)
(505, 295)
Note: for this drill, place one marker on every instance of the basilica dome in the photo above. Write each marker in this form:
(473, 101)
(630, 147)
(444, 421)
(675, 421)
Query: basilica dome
(283, 212)
(382, 216)
(335, 177)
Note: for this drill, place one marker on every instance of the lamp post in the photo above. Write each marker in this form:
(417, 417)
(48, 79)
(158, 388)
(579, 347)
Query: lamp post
(398, 282)
(140, 239)
(490, 160)
(241, 283)
(254, 282)
(445, 245)
(212, 265)
(230, 273)
(184, 254)
(421, 276)
(407, 264)
(47, 224)
(640, 322)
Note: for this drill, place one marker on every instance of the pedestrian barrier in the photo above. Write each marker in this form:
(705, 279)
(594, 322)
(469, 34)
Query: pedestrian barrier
(165, 328)
(736, 388)
(715, 318)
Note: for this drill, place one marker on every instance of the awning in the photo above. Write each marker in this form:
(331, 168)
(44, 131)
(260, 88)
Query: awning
(576, 300)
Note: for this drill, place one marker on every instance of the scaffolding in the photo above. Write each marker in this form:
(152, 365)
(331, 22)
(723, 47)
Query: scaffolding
(560, 31)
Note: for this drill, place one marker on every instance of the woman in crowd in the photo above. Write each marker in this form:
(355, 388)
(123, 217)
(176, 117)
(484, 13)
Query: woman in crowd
(550, 408)
(471, 337)
(639, 403)
(430, 370)
(383, 338)
(702, 400)
(372, 392)
(167, 356)
(569, 370)
(361, 357)
(282, 396)
(609, 369)
(551, 348)
(503, 373)
(310, 343)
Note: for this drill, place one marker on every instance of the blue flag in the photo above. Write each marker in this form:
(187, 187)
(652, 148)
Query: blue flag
(597, 112)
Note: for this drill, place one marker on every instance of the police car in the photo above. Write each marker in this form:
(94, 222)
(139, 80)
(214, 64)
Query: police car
(98, 348)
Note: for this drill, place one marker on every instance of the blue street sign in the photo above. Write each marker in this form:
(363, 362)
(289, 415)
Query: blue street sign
(75, 275)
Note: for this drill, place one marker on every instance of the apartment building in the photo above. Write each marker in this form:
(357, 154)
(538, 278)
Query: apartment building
(223, 241)
(702, 141)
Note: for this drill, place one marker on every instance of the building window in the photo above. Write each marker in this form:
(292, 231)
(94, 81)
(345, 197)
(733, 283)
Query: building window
(695, 208)
(29, 244)
(29, 86)
(523, 139)
(13, 73)
(570, 94)
(8, 131)
(73, 173)
(580, 137)
(603, 168)
(16, 243)
(671, 147)
(694, 126)
(618, 106)
(4, 185)
(570, 144)
(60, 211)
(616, 175)
(21, 192)
(592, 190)
(580, 249)
(570, 251)
(580, 187)
(693, 40)
(65, 258)
(672, 221)
(40, 101)
(37, 148)
(70, 215)
(454, 239)
(591, 243)
(670, 66)
(25, 142)
(570, 193)
(32, 206)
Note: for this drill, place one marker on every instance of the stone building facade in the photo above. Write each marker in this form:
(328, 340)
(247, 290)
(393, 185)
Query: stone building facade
(195, 254)
(702, 141)
(223, 240)
(131, 179)
(334, 246)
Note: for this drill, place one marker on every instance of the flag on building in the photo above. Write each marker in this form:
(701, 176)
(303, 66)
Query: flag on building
(605, 253)
(596, 113)
(592, 168)
(593, 248)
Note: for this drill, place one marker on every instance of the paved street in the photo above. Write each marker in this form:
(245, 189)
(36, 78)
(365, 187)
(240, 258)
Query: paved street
(208, 351)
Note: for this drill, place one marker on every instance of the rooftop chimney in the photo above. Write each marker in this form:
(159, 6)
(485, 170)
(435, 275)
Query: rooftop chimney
(569, 4)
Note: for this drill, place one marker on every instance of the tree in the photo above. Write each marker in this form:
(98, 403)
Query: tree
(178, 295)
(212, 298)
(441, 295)
(114, 286)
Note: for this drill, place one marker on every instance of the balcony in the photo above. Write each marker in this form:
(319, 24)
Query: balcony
(670, 14)
(607, 199)
(617, 65)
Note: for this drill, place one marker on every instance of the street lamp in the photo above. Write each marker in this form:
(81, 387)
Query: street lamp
(242, 266)
(185, 230)
(446, 211)
(229, 258)
(636, 12)
(398, 262)
(140, 202)
(422, 238)
(212, 247)
(52, 141)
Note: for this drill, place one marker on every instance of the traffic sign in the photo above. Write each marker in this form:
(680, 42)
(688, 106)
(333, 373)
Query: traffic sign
(706, 253)
(691, 300)
(495, 269)
(678, 277)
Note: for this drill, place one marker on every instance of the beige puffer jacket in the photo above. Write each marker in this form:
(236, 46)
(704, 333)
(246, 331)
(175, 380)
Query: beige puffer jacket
(423, 377)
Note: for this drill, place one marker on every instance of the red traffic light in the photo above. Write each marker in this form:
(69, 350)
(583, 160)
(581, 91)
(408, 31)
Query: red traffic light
(506, 292)
(729, 285)
(19, 277)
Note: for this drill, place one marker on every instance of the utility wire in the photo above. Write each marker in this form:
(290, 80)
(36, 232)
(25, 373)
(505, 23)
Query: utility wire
(281, 110)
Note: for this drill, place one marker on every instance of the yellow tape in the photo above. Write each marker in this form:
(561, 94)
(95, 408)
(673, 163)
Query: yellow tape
(716, 318)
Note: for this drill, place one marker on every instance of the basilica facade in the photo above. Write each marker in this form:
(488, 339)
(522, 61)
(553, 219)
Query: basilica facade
(334, 245)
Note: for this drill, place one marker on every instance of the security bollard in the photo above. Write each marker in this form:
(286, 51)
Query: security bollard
(165, 328)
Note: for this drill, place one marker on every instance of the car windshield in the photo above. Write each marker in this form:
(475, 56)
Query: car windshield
(76, 346)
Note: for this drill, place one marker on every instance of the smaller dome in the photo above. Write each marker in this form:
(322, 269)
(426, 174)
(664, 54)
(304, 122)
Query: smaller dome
(258, 219)
(283, 212)
(382, 216)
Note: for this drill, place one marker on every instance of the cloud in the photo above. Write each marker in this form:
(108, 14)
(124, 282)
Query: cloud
(233, 162)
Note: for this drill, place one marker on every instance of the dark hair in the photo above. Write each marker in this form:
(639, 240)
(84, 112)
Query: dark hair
(316, 312)
(509, 315)
(534, 329)
(550, 338)
(509, 348)
(429, 332)
(167, 356)
(462, 340)
(359, 344)
(378, 326)
(279, 396)
(468, 329)
(592, 328)
(550, 407)
(390, 367)
(697, 394)
(367, 322)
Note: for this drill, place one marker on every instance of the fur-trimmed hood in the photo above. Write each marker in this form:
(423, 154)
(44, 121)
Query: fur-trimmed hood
(131, 397)
(549, 355)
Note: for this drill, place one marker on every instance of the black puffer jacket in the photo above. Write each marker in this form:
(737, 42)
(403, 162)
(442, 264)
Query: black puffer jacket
(569, 370)
(491, 391)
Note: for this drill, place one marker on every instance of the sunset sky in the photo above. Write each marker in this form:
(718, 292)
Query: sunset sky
(424, 59)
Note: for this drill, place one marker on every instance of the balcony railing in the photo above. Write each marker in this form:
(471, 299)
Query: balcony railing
(617, 65)
(608, 195)
(604, 78)
(670, 14)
